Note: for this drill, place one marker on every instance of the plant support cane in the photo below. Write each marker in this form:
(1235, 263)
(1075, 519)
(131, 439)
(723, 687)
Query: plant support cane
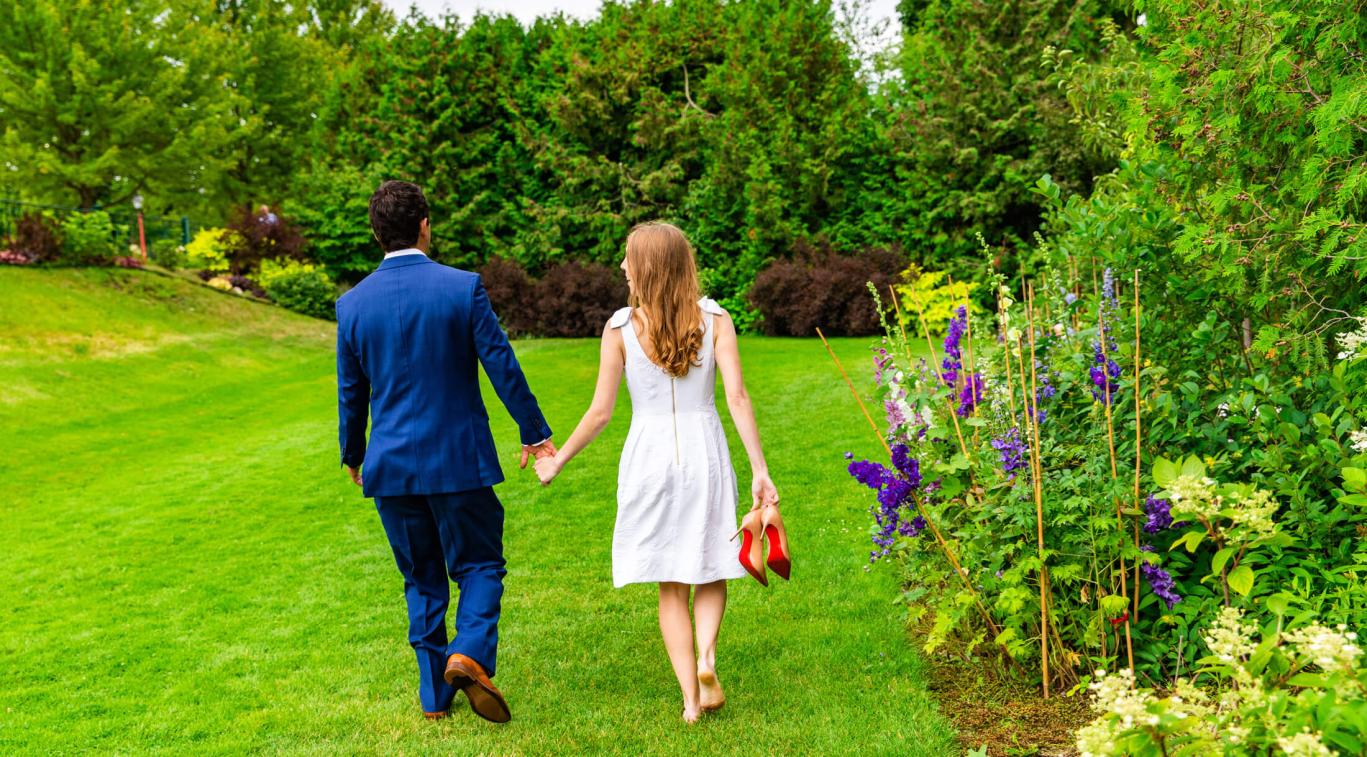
(1115, 475)
(1039, 501)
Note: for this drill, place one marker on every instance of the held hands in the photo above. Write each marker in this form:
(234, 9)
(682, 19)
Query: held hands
(763, 492)
(546, 465)
(539, 451)
(547, 468)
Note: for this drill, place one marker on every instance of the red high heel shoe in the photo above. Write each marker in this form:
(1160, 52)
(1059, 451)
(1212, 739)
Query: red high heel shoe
(751, 554)
(780, 559)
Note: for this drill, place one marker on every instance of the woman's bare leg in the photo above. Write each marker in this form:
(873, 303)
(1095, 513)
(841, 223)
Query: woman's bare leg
(677, 630)
(709, 604)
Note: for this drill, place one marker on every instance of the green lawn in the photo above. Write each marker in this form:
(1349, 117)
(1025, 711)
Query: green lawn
(187, 569)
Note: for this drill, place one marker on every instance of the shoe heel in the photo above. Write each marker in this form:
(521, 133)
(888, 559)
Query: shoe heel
(757, 571)
(779, 561)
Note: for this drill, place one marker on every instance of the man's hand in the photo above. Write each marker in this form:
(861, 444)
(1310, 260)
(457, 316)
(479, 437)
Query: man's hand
(355, 474)
(544, 449)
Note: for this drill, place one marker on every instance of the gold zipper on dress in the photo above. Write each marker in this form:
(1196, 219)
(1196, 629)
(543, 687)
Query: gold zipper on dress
(674, 408)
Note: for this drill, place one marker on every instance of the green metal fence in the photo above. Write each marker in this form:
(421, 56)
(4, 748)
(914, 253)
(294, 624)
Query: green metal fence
(125, 220)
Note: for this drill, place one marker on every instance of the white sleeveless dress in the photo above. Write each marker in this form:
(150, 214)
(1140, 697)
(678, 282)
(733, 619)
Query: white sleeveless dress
(676, 489)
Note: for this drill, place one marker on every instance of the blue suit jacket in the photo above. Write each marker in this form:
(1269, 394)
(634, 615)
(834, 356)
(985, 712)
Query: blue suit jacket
(409, 339)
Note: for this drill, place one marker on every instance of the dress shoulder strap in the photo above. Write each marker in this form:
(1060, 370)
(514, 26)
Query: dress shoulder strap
(711, 306)
(620, 318)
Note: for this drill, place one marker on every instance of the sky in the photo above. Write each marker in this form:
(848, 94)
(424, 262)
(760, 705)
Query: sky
(526, 10)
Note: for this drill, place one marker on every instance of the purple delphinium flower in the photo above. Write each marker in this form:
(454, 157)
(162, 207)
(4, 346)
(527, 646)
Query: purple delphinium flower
(1012, 451)
(1105, 372)
(1159, 512)
(908, 466)
(895, 500)
(1160, 581)
(970, 395)
(952, 364)
(1070, 298)
(868, 473)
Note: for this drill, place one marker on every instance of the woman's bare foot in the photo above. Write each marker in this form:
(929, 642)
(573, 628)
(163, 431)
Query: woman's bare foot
(691, 715)
(711, 695)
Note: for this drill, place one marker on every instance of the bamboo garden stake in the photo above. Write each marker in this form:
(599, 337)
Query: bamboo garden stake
(1039, 499)
(1115, 475)
(1137, 439)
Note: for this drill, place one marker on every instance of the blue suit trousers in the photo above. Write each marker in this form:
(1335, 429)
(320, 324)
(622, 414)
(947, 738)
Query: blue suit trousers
(434, 536)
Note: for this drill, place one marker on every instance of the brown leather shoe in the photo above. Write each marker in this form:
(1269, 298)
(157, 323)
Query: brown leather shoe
(485, 699)
(436, 715)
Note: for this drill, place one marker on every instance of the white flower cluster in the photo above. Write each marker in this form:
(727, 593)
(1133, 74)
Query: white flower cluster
(1353, 344)
(1195, 495)
(1117, 695)
(1230, 637)
(1114, 695)
(1358, 440)
(1096, 739)
(1304, 744)
(1254, 513)
(1330, 649)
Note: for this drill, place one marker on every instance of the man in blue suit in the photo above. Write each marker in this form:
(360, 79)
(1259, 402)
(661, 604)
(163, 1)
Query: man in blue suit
(410, 338)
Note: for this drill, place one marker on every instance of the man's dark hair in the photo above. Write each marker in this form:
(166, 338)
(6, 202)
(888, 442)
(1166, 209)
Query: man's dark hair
(396, 212)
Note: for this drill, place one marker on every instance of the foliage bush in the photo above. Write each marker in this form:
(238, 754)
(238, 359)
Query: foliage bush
(168, 253)
(37, 237)
(933, 296)
(209, 250)
(512, 293)
(301, 287)
(91, 238)
(570, 300)
(253, 236)
(822, 288)
(576, 299)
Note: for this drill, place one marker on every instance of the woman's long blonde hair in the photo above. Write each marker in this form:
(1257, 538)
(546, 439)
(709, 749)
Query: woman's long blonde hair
(660, 263)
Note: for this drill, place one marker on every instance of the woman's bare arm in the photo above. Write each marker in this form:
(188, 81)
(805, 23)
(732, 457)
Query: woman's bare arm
(727, 349)
(611, 360)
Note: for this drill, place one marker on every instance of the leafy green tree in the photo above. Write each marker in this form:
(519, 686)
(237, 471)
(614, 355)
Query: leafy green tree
(972, 123)
(275, 66)
(101, 101)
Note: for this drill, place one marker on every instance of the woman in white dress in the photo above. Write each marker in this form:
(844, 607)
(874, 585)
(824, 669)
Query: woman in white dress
(676, 489)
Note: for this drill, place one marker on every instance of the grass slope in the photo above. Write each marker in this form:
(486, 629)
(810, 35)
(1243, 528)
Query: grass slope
(187, 570)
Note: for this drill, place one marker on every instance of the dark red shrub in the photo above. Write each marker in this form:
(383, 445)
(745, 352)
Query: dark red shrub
(263, 233)
(36, 237)
(576, 299)
(511, 294)
(128, 261)
(572, 299)
(819, 287)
